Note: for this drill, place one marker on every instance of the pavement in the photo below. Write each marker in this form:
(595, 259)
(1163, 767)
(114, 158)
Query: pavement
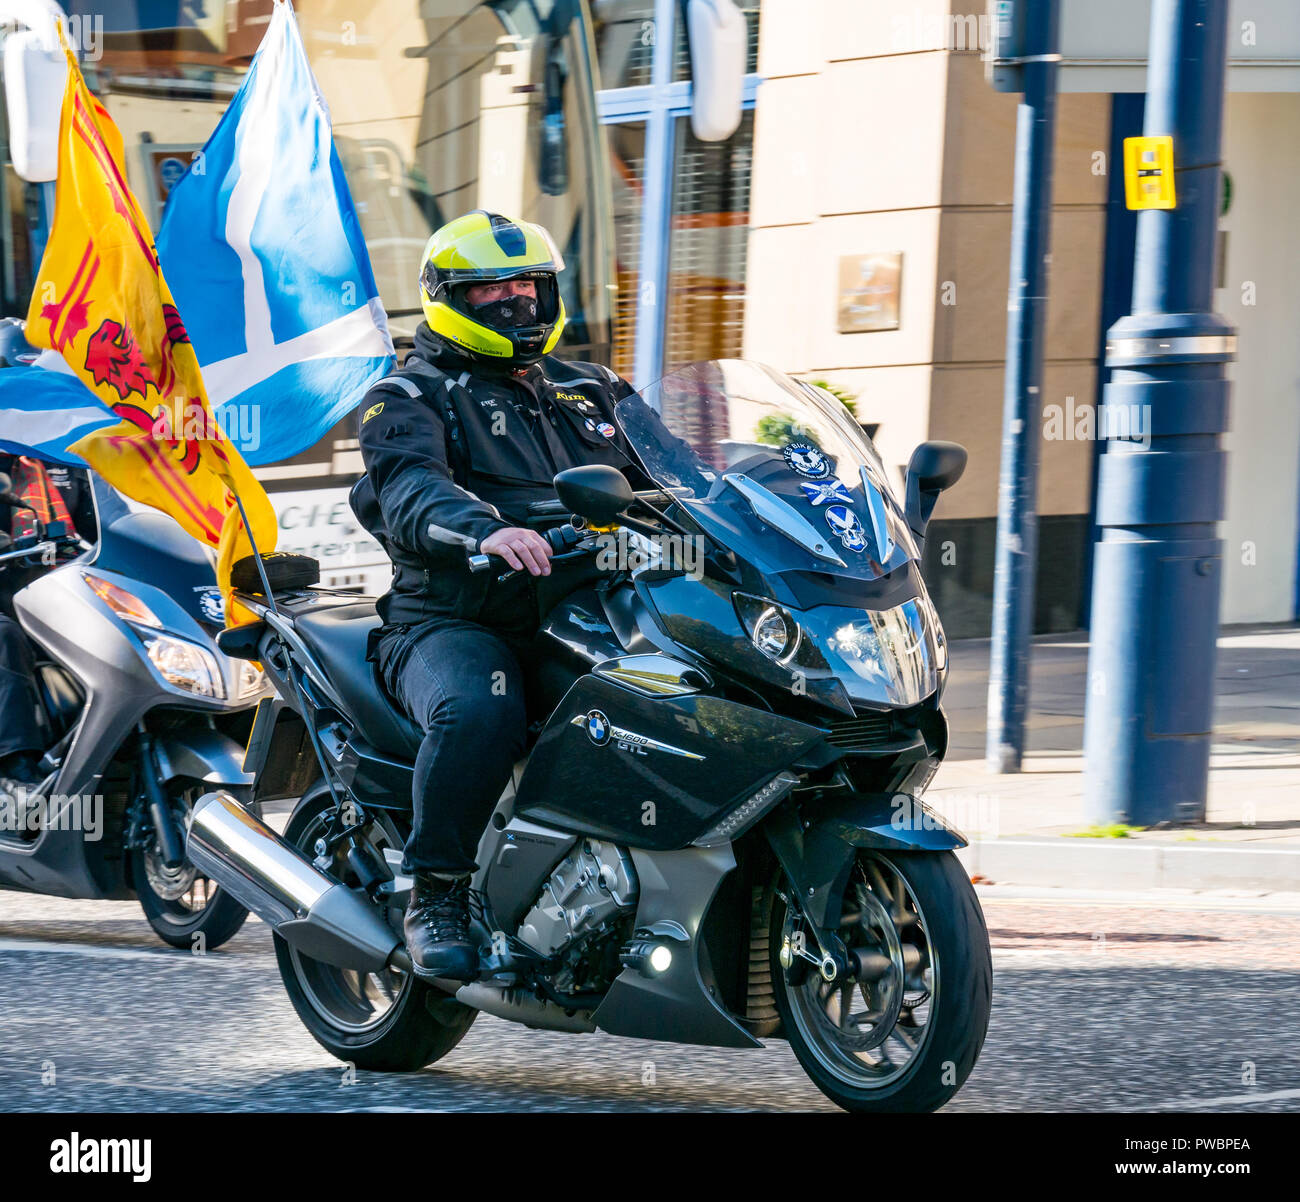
(1102, 1001)
(1031, 827)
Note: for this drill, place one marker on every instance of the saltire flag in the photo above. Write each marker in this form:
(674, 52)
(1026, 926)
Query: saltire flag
(265, 256)
(101, 301)
(42, 413)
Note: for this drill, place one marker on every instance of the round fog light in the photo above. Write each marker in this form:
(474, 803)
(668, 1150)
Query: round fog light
(661, 959)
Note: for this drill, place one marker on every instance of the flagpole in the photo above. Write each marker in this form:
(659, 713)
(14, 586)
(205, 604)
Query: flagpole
(303, 700)
(257, 555)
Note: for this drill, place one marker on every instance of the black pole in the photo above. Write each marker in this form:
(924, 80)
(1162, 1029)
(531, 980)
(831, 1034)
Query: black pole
(1017, 545)
(1155, 599)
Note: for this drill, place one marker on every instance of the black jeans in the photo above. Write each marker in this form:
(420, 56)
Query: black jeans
(18, 727)
(462, 684)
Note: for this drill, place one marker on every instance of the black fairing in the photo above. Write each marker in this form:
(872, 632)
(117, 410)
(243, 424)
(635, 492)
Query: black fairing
(576, 783)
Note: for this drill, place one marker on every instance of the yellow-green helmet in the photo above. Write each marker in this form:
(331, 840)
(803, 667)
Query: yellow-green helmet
(480, 248)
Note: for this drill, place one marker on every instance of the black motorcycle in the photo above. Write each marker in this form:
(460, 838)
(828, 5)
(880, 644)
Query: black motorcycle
(716, 836)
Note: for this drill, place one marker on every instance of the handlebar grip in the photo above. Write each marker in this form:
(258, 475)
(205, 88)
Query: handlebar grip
(560, 538)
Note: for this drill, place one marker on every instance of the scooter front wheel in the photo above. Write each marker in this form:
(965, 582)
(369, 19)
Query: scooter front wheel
(185, 910)
(901, 1031)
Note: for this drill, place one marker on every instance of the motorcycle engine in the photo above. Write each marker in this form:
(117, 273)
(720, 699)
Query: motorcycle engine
(584, 914)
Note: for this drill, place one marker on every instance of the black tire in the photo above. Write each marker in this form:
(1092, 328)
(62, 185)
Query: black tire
(958, 1008)
(174, 920)
(421, 1025)
(218, 921)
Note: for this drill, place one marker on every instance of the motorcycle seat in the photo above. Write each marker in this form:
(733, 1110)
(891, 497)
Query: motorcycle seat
(338, 636)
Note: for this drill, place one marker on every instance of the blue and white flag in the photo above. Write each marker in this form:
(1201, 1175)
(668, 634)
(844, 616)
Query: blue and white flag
(262, 249)
(44, 410)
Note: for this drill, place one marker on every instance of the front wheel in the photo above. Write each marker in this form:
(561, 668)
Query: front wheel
(387, 1021)
(185, 909)
(902, 1031)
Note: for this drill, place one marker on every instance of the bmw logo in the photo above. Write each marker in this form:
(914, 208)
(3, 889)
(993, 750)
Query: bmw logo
(598, 728)
(807, 460)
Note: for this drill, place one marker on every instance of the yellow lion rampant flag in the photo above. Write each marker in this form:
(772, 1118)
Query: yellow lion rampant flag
(101, 302)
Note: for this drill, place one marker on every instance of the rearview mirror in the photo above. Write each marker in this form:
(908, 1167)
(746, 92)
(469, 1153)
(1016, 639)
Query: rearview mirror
(597, 492)
(35, 78)
(934, 467)
(717, 38)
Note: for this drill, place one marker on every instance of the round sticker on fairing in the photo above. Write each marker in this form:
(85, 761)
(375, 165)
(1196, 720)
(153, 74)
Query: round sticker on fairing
(807, 460)
(212, 606)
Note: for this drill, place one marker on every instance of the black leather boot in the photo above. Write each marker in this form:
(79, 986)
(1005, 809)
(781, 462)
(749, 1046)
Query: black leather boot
(437, 929)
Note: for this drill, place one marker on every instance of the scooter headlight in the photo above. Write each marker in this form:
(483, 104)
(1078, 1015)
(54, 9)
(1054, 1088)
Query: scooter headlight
(184, 665)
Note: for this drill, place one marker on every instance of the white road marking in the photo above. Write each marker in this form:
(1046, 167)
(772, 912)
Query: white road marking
(1240, 1099)
(160, 956)
(1284, 904)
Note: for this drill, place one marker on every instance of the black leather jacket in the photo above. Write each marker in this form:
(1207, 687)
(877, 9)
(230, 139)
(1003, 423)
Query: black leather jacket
(455, 450)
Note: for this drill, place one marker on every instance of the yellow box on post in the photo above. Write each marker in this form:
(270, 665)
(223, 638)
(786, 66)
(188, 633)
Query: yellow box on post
(1149, 172)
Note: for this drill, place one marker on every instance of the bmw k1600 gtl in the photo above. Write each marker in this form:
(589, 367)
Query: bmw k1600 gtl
(717, 835)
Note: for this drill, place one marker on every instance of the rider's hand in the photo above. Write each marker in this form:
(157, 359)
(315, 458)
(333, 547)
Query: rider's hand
(521, 549)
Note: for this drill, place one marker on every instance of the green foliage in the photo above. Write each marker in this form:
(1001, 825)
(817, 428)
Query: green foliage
(777, 429)
(848, 399)
(1112, 830)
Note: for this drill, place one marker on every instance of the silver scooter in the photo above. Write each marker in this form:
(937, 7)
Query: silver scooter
(142, 714)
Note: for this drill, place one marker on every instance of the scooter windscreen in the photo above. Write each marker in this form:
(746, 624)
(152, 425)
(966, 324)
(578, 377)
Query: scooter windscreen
(753, 453)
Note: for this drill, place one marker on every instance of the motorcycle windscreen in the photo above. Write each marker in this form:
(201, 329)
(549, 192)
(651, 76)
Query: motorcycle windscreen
(773, 467)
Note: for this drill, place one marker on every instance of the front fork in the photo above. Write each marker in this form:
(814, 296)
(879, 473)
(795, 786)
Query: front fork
(171, 839)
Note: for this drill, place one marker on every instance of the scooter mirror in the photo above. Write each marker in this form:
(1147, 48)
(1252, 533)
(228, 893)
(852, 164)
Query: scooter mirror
(35, 71)
(717, 41)
(595, 491)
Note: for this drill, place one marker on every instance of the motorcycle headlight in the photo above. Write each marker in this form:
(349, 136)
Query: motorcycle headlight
(184, 665)
(892, 652)
(889, 657)
(775, 634)
(251, 679)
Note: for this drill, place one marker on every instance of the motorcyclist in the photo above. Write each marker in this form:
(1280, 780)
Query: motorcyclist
(51, 493)
(457, 444)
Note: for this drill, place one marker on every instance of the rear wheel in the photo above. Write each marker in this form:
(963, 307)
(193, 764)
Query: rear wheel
(387, 1021)
(904, 1030)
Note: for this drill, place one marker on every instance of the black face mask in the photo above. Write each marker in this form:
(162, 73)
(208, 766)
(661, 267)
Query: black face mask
(509, 313)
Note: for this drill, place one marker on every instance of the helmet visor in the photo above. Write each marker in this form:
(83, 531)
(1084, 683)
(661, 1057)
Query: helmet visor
(500, 252)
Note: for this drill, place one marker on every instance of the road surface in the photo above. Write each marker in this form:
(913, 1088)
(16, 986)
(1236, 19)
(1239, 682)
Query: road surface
(1101, 1002)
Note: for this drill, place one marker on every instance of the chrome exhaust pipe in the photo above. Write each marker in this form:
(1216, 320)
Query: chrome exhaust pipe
(308, 909)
